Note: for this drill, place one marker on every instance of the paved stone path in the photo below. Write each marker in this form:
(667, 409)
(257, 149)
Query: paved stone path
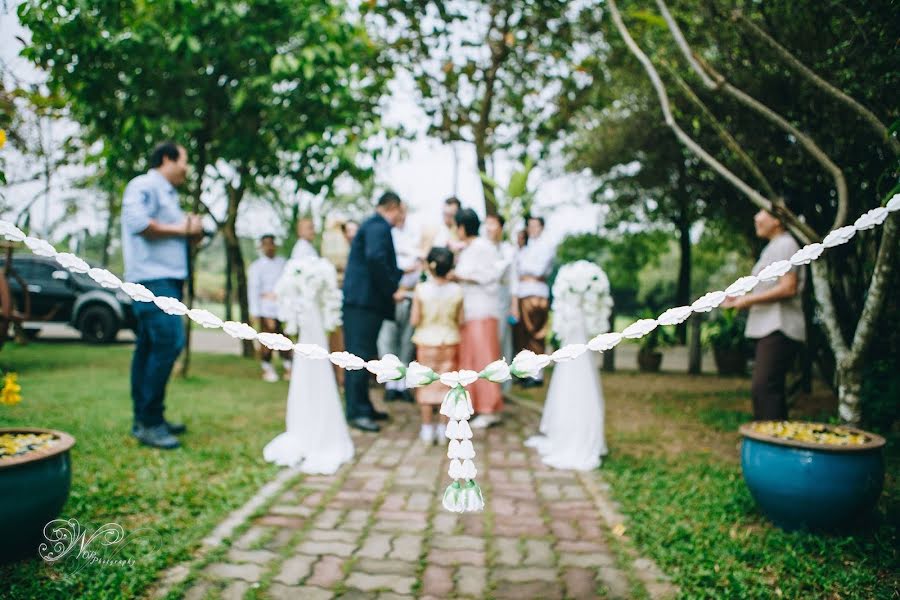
(377, 529)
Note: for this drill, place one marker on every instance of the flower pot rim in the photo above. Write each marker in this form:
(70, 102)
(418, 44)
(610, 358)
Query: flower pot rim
(875, 441)
(66, 441)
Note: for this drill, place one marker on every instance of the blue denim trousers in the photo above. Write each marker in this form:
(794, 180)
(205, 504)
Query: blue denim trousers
(160, 339)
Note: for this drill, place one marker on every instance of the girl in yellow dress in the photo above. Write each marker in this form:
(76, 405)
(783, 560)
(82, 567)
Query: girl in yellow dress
(436, 315)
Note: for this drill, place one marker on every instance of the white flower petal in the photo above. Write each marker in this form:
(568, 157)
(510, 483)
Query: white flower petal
(464, 432)
(452, 430)
(204, 318)
(894, 203)
(73, 263)
(311, 351)
(605, 341)
(870, 219)
(807, 254)
(466, 450)
(640, 328)
(528, 364)
(138, 292)
(106, 279)
(275, 341)
(839, 236)
(497, 372)
(347, 361)
(570, 352)
(40, 247)
(170, 306)
(674, 316)
(708, 301)
(453, 449)
(11, 232)
(238, 330)
(468, 470)
(456, 469)
(418, 375)
(775, 270)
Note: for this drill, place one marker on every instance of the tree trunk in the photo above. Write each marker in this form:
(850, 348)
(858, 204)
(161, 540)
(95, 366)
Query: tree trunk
(609, 357)
(110, 223)
(193, 251)
(695, 350)
(235, 262)
(849, 392)
(683, 293)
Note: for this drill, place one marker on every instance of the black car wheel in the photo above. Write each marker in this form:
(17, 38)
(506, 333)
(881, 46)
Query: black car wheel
(98, 325)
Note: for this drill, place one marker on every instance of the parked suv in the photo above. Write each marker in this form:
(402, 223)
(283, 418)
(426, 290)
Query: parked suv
(61, 296)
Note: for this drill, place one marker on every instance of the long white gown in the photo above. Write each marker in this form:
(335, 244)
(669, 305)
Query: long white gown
(317, 439)
(572, 423)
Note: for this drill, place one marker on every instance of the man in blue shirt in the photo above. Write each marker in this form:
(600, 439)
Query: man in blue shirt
(155, 237)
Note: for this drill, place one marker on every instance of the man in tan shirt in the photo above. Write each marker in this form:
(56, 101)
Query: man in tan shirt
(775, 319)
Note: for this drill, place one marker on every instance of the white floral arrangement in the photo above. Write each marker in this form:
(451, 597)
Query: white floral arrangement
(305, 284)
(581, 291)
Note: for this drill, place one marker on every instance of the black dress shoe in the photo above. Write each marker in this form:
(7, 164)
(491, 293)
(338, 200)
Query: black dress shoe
(176, 428)
(392, 395)
(380, 416)
(364, 424)
(407, 396)
(532, 383)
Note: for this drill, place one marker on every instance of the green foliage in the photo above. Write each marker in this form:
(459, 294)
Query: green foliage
(725, 330)
(182, 495)
(240, 82)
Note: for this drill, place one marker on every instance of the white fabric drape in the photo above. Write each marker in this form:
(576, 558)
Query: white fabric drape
(572, 423)
(317, 440)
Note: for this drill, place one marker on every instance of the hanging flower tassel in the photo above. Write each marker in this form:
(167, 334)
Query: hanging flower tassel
(463, 495)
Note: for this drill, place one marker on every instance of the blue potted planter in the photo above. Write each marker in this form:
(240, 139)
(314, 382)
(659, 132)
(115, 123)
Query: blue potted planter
(34, 487)
(811, 485)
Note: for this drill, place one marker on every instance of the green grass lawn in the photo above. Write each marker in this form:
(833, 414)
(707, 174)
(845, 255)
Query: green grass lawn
(674, 467)
(180, 494)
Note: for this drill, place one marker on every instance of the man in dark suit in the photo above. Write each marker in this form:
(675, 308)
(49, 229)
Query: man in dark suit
(370, 283)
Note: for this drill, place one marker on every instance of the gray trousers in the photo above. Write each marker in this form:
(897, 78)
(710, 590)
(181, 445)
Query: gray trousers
(395, 337)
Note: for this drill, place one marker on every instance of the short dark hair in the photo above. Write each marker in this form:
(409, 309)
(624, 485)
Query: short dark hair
(440, 260)
(453, 200)
(498, 217)
(536, 218)
(346, 223)
(389, 199)
(267, 236)
(468, 219)
(166, 149)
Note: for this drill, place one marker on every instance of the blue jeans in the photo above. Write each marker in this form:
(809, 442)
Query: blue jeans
(361, 327)
(160, 339)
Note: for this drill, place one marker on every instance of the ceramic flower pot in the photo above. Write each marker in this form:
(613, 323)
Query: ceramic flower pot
(649, 361)
(804, 484)
(730, 361)
(34, 487)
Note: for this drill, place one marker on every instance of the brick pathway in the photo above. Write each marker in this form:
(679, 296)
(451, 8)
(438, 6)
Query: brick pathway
(377, 529)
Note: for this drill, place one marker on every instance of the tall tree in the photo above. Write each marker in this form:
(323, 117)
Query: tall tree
(501, 75)
(850, 302)
(270, 88)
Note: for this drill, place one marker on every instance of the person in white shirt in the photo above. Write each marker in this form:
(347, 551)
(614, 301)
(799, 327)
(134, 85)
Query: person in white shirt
(531, 294)
(479, 267)
(306, 235)
(494, 225)
(395, 337)
(445, 235)
(262, 277)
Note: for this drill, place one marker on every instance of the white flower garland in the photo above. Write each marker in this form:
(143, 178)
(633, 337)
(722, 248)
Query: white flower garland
(305, 284)
(581, 291)
(464, 494)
